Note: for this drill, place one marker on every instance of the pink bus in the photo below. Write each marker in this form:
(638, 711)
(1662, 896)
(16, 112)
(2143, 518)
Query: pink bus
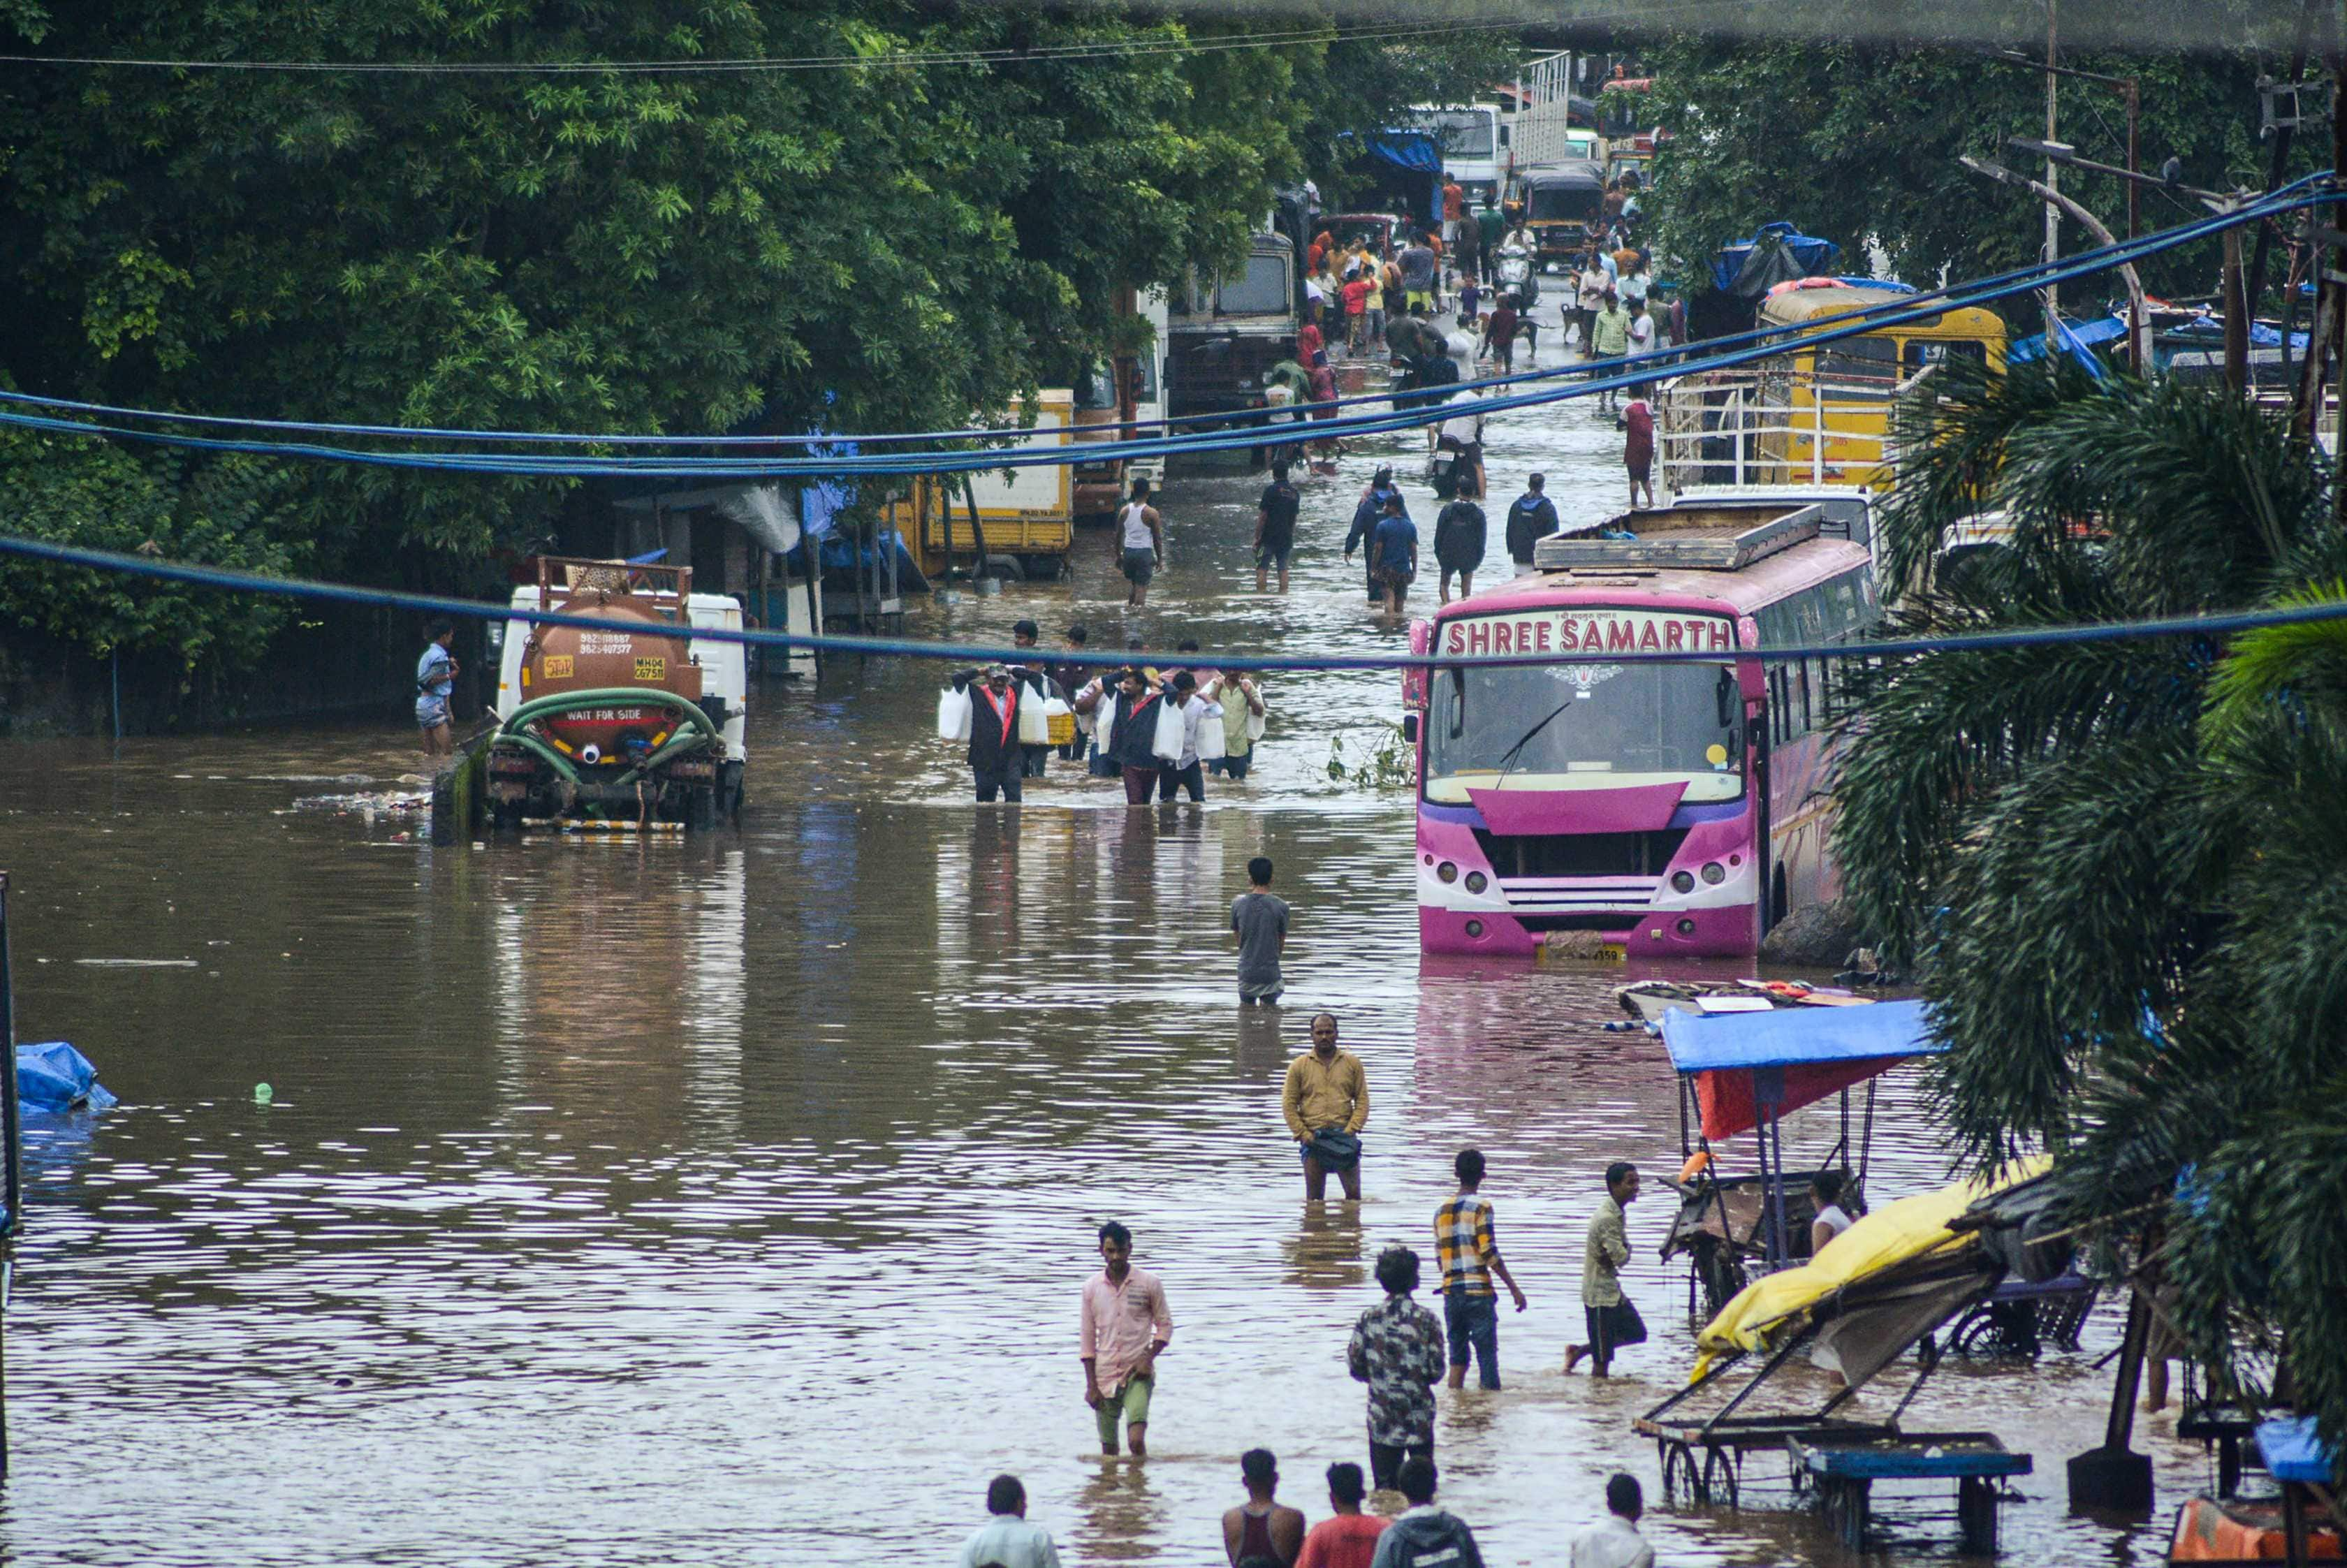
(1676, 808)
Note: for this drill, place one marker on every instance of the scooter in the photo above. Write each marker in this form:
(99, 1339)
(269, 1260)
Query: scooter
(1518, 277)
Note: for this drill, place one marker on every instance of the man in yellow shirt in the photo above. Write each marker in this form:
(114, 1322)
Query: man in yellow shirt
(1325, 1100)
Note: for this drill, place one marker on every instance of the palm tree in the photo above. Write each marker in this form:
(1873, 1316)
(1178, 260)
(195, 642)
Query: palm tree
(2121, 868)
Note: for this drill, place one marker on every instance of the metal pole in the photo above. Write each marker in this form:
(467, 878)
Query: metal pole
(2053, 182)
(2237, 316)
(12, 1188)
(2278, 164)
(2134, 298)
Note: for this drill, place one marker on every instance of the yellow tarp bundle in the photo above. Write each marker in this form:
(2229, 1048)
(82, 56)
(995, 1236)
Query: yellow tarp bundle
(1895, 1233)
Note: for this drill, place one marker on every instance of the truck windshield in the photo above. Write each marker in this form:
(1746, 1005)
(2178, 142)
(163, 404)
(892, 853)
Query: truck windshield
(1614, 726)
(1260, 290)
(1468, 135)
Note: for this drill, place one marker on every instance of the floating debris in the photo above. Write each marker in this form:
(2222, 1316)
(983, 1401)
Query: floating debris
(137, 963)
(370, 804)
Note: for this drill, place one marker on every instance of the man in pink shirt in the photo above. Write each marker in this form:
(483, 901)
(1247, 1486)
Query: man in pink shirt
(1125, 1328)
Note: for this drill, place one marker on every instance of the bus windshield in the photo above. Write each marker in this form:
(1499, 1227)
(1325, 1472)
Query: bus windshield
(1607, 726)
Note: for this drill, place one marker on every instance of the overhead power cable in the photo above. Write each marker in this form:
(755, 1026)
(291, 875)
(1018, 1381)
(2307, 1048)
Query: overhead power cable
(234, 581)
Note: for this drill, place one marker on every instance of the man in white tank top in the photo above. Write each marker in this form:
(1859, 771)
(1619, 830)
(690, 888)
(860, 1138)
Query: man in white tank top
(1141, 534)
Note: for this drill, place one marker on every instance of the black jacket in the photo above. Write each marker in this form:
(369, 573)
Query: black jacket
(1133, 738)
(1532, 518)
(1459, 533)
(990, 752)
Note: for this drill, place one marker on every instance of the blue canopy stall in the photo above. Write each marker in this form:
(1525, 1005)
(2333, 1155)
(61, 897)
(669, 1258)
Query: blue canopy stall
(1742, 1072)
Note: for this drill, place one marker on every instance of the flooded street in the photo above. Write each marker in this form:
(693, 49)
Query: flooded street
(727, 1201)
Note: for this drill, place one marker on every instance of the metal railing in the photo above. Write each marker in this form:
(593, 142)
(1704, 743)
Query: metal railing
(1769, 425)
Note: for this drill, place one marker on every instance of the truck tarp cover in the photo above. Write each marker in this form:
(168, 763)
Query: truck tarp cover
(1776, 253)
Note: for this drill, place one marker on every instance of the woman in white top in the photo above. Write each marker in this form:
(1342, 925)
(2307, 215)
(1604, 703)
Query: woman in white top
(1832, 1219)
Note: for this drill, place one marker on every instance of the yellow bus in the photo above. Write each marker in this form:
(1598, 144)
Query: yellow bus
(1822, 415)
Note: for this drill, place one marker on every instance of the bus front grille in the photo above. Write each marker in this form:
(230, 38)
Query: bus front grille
(1580, 854)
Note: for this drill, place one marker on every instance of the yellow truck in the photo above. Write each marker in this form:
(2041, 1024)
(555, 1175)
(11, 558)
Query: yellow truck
(1019, 526)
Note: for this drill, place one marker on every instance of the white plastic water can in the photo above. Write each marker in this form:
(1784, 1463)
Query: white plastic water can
(1034, 724)
(1254, 720)
(953, 715)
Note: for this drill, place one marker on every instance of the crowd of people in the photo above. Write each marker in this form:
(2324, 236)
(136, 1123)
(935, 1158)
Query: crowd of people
(1160, 732)
(1398, 1347)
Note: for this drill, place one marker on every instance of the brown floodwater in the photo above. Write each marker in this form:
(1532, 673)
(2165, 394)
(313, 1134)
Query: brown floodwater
(726, 1201)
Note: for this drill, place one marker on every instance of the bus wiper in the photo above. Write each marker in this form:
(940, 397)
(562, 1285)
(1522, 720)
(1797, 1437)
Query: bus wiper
(1508, 759)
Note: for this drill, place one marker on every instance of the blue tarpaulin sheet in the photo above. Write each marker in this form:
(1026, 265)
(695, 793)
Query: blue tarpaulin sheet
(2109, 329)
(1412, 150)
(2292, 1450)
(1812, 255)
(1794, 1037)
(54, 1076)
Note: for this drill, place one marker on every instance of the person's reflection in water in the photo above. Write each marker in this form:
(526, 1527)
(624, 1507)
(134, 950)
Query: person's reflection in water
(1258, 1051)
(994, 877)
(1124, 1521)
(1325, 1252)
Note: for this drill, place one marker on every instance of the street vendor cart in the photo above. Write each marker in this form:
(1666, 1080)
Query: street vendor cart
(1881, 1289)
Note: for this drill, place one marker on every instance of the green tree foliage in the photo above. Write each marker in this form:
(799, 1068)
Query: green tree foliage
(873, 244)
(2121, 868)
(1796, 128)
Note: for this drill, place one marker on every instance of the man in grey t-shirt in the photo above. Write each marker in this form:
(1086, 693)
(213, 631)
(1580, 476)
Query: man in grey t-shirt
(1261, 922)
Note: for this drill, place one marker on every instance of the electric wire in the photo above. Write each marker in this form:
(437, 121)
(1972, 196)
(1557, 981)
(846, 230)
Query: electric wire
(231, 580)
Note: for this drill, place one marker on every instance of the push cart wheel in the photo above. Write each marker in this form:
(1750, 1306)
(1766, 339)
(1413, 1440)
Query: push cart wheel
(1678, 1471)
(1720, 1476)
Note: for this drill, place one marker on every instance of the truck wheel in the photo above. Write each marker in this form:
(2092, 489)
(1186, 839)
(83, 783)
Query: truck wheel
(700, 808)
(1006, 568)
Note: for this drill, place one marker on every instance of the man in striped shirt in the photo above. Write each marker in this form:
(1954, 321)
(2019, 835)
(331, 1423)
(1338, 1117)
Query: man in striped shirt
(1470, 1257)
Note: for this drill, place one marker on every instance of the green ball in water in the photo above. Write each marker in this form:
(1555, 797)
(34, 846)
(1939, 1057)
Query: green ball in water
(262, 1095)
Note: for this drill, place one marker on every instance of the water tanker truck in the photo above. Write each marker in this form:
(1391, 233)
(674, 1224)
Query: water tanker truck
(639, 723)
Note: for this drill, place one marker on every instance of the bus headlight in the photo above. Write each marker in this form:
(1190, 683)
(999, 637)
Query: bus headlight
(1477, 882)
(1446, 872)
(1683, 881)
(1713, 872)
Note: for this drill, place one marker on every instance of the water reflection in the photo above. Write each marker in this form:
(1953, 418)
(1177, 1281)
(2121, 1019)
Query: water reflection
(1324, 1252)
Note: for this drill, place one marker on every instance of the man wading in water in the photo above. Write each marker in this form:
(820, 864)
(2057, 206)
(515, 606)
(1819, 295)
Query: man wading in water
(1325, 1100)
(1125, 1328)
(1142, 534)
(436, 677)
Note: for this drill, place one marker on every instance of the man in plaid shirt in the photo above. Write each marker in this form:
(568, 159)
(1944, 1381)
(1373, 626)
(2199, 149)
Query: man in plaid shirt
(1463, 1244)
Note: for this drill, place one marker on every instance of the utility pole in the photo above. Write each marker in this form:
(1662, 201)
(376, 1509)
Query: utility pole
(2132, 89)
(2053, 182)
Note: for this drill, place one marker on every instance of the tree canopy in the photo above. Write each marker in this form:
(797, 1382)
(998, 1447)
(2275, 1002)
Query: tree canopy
(2120, 866)
(881, 242)
(1794, 128)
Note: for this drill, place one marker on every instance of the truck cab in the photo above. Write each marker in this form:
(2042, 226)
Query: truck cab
(1223, 332)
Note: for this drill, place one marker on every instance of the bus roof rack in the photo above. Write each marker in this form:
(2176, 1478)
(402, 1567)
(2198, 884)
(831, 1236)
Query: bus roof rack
(1700, 539)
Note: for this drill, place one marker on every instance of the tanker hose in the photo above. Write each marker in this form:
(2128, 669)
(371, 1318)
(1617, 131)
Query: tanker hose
(695, 727)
